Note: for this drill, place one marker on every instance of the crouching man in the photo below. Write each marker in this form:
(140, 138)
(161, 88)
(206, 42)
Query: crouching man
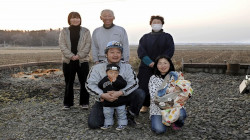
(130, 95)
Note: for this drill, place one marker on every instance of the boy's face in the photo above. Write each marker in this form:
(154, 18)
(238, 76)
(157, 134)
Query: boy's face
(112, 74)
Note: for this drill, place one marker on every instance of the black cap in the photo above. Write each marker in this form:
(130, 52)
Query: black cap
(112, 67)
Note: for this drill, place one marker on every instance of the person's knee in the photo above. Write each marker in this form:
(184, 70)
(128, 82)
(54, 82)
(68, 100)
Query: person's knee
(92, 124)
(183, 114)
(108, 111)
(140, 94)
(158, 130)
(182, 117)
(96, 117)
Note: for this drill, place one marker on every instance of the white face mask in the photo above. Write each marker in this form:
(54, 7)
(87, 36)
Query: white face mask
(156, 27)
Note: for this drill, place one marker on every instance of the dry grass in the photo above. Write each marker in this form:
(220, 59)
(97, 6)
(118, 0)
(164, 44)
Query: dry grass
(204, 54)
(187, 54)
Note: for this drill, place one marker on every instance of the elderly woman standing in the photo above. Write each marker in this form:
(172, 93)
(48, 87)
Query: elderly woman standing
(151, 45)
(75, 44)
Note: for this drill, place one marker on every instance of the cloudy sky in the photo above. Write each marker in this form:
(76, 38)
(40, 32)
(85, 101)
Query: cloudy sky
(188, 21)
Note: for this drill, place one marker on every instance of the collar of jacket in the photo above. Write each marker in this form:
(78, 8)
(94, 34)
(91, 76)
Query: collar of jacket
(109, 27)
(156, 33)
(106, 61)
(72, 27)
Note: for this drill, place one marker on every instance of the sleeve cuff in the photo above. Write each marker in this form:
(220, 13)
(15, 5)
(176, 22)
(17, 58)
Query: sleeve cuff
(146, 60)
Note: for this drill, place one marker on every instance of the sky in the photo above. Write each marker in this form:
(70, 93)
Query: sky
(188, 21)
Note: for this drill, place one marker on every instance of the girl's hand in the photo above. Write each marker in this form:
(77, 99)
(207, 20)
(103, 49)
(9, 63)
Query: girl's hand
(75, 57)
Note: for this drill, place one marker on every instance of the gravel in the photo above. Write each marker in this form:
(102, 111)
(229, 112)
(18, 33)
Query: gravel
(32, 109)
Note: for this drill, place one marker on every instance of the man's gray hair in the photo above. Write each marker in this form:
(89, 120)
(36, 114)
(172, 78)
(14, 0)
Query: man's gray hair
(107, 10)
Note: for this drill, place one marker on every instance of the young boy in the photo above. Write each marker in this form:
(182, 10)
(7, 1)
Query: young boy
(113, 82)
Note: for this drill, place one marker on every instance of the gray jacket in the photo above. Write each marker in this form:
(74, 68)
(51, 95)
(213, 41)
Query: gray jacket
(98, 72)
(83, 48)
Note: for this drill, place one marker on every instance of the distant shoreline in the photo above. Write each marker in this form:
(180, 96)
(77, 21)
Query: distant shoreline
(212, 44)
(215, 47)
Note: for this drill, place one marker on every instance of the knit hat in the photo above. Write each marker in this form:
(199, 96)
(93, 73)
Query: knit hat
(112, 67)
(113, 44)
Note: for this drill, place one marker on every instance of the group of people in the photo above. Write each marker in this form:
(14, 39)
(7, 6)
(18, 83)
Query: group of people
(112, 79)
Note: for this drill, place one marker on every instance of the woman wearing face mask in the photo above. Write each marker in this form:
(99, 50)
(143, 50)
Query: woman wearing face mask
(75, 44)
(151, 45)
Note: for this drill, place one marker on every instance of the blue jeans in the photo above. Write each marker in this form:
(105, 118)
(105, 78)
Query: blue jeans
(121, 115)
(158, 127)
(134, 100)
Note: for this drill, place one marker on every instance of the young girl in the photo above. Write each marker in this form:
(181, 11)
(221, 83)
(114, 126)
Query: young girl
(163, 67)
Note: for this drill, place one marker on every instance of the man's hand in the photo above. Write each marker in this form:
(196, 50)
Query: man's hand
(109, 97)
(101, 99)
(116, 94)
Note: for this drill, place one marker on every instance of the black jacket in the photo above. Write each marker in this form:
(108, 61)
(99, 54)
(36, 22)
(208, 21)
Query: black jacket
(106, 85)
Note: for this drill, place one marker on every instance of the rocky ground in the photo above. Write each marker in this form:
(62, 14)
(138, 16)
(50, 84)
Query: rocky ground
(32, 109)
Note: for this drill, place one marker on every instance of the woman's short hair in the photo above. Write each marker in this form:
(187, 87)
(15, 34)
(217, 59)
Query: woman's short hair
(74, 15)
(156, 17)
(171, 68)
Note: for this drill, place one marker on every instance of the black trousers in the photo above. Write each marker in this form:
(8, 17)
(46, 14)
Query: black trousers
(144, 75)
(69, 71)
(134, 100)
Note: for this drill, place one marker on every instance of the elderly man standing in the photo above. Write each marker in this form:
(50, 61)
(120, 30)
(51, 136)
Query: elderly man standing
(108, 32)
(129, 95)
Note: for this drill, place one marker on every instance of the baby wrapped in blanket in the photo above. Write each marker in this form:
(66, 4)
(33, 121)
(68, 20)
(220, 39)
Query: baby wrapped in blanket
(172, 89)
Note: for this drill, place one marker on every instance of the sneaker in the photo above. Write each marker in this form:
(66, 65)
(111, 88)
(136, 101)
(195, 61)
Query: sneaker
(120, 127)
(144, 109)
(85, 106)
(106, 127)
(66, 108)
(175, 127)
